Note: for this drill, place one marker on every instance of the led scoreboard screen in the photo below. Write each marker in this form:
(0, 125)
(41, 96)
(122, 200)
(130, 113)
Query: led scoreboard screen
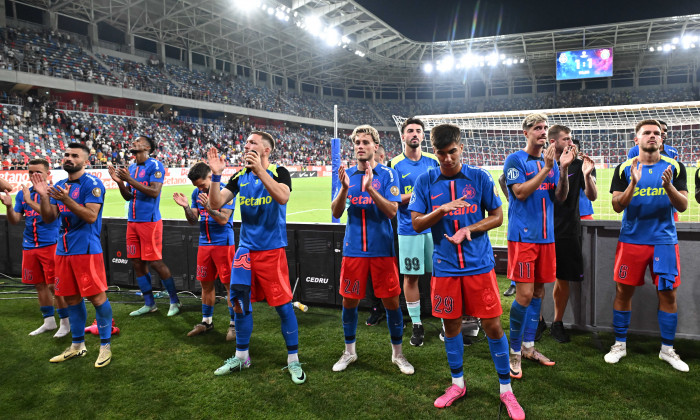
(584, 64)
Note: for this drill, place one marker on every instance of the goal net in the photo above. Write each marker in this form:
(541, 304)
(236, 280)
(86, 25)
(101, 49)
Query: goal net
(605, 133)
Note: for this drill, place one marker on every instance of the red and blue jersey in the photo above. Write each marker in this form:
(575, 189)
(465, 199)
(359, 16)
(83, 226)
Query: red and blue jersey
(368, 231)
(264, 220)
(144, 208)
(669, 151)
(648, 219)
(210, 231)
(408, 171)
(431, 191)
(530, 220)
(76, 236)
(37, 234)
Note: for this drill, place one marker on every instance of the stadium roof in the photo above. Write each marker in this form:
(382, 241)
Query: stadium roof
(254, 33)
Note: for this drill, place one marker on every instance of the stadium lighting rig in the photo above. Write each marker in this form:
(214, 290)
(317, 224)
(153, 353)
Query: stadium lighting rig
(685, 42)
(470, 60)
(311, 24)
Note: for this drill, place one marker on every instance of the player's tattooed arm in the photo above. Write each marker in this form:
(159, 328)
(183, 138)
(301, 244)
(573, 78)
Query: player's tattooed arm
(338, 204)
(181, 201)
(220, 216)
(679, 199)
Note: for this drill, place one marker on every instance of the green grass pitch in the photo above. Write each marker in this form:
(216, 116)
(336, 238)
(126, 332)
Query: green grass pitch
(157, 372)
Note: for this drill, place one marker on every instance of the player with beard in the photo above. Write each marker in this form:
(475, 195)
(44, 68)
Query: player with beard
(141, 185)
(80, 271)
(38, 250)
(534, 181)
(415, 248)
(648, 188)
(370, 194)
(567, 226)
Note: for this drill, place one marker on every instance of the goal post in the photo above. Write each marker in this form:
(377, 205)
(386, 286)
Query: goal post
(606, 134)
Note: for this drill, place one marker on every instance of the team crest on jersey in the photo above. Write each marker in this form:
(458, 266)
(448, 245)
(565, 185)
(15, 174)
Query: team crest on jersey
(551, 173)
(158, 174)
(376, 184)
(142, 173)
(512, 174)
(469, 192)
(394, 190)
(96, 192)
(74, 193)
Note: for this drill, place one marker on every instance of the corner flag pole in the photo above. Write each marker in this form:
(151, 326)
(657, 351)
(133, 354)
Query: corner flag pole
(335, 159)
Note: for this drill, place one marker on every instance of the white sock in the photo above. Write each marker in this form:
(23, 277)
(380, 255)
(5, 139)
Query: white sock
(350, 347)
(505, 388)
(64, 329)
(292, 357)
(396, 350)
(665, 348)
(243, 354)
(528, 344)
(515, 352)
(458, 381)
(624, 344)
(48, 325)
(206, 319)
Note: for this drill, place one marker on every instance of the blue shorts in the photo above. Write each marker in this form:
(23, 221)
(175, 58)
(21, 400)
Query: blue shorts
(416, 254)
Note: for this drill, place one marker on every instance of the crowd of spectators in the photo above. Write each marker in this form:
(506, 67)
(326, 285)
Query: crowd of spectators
(60, 55)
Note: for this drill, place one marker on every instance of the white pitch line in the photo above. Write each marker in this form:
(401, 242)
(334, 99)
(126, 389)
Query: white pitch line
(305, 211)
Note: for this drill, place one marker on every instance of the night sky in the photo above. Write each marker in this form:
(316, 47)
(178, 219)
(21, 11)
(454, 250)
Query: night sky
(442, 20)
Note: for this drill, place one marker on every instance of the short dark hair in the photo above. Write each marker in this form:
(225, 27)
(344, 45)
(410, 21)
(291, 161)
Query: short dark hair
(412, 120)
(662, 123)
(444, 135)
(199, 170)
(80, 146)
(39, 161)
(577, 142)
(646, 122)
(556, 129)
(151, 143)
(266, 136)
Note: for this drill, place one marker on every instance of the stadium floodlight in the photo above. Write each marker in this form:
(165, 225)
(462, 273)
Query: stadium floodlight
(667, 47)
(270, 10)
(314, 25)
(651, 49)
(331, 36)
(247, 5)
(446, 64)
(675, 40)
(522, 60)
(428, 67)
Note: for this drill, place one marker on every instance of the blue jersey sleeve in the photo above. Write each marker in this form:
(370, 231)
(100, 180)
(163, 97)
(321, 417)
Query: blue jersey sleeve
(195, 195)
(93, 193)
(419, 197)
(391, 189)
(19, 208)
(489, 199)
(157, 173)
(514, 170)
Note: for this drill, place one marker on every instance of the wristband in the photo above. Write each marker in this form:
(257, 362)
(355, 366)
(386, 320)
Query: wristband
(216, 178)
